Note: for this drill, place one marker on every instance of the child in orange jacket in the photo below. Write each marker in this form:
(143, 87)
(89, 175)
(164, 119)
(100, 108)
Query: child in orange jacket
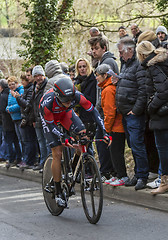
(113, 124)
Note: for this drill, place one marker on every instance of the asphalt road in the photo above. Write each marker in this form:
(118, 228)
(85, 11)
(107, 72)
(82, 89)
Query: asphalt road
(24, 216)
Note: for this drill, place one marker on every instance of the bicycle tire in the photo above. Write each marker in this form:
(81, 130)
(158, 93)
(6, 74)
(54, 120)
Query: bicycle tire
(91, 189)
(49, 199)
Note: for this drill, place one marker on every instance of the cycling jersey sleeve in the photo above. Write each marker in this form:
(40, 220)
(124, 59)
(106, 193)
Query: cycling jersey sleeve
(47, 117)
(88, 106)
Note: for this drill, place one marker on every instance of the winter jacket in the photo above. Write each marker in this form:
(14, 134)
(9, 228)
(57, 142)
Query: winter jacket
(13, 106)
(112, 119)
(131, 90)
(7, 123)
(88, 88)
(157, 88)
(108, 58)
(53, 71)
(24, 101)
(37, 95)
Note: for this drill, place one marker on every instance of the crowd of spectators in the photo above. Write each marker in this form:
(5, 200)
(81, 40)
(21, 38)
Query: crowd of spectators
(132, 101)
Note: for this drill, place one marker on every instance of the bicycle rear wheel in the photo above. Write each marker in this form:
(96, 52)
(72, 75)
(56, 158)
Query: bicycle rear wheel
(91, 189)
(49, 197)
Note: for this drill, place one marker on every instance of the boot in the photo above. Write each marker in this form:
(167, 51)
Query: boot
(163, 186)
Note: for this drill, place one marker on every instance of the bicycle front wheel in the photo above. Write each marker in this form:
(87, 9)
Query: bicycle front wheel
(91, 189)
(49, 190)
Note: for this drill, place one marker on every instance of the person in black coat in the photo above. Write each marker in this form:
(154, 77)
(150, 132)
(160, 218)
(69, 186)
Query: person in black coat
(27, 129)
(86, 83)
(10, 136)
(131, 103)
(40, 82)
(156, 61)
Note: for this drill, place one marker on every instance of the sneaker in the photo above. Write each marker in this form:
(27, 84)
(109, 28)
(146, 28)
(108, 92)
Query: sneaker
(131, 182)
(23, 165)
(141, 184)
(110, 180)
(154, 184)
(60, 201)
(119, 182)
(38, 167)
(152, 175)
(103, 178)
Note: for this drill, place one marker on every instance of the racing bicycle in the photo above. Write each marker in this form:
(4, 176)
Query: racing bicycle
(81, 169)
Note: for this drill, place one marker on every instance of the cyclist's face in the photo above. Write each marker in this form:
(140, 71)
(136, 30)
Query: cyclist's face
(66, 104)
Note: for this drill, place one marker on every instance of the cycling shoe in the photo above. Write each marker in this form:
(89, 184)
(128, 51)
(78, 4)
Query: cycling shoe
(60, 201)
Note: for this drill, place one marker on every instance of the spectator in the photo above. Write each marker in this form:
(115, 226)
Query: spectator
(100, 52)
(40, 83)
(156, 61)
(10, 136)
(131, 103)
(72, 73)
(53, 71)
(86, 83)
(29, 75)
(161, 33)
(27, 129)
(135, 32)
(14, 109)
(113, 125)
(149, 36)
(3, 146)
(153, 158)
(64, 68)
(122, 32)
(94, 32)
(99, 49)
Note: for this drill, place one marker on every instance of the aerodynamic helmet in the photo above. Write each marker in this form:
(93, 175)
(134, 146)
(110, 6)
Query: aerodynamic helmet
(64, 89)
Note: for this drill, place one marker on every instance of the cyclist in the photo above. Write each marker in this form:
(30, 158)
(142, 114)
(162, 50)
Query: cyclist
(56, 105)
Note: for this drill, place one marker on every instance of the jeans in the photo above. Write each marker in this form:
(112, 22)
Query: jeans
(3, 146)
(161, 139)
(30, 144)
(43, 145)
(134, 129)
(13, 147)
(106, 165)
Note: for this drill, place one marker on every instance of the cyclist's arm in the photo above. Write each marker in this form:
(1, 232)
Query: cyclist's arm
(88, 106)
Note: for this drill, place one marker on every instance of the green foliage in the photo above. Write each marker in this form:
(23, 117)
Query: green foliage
(41, 36)
(162, 5)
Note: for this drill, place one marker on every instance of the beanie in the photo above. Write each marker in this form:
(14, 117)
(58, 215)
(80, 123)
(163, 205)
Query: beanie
(147, 36)
(161, 29)
(38, 70)
(102, 69)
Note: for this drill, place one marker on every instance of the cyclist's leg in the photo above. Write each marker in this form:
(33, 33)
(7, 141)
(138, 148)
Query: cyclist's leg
(73, 123)
(56, 163)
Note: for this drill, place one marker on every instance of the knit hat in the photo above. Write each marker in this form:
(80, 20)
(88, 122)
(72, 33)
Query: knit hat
(38, 70)
(102, 69)
(52, 68)
(147, 36)
(161, 29)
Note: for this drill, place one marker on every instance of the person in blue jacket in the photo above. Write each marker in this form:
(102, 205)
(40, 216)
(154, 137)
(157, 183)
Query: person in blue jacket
(13, 108)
